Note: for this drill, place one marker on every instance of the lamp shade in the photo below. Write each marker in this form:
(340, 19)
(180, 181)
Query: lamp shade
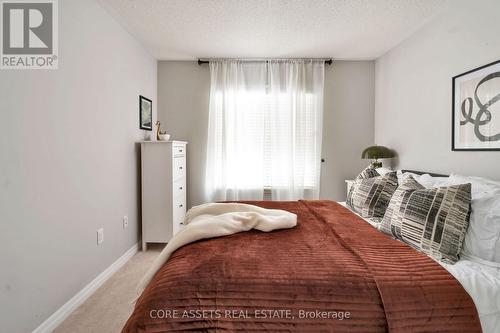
(376, 152)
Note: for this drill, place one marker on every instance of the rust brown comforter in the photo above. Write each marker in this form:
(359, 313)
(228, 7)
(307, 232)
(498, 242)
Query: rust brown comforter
(333, 265)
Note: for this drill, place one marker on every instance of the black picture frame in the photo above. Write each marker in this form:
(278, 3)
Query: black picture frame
(145, 115)
(453, 109)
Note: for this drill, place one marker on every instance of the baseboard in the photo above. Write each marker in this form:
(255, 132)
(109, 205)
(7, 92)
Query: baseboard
(64, 311)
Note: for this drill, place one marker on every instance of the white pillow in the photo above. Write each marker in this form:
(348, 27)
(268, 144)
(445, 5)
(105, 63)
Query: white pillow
(429, 181)
(382, 171)
(480, 186)
(402, 176)
(425, 180)
(483, 236)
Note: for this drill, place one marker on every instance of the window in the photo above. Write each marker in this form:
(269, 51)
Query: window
(264, 131)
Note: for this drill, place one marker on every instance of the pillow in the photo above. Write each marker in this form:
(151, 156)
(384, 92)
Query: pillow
(433, 220)
(383, 171)
(368, 172)
(403, 175)
(483, 237)
(480, 186)
(392, 221)
(478, 180)
(370, 197)
(426, 180)
(429, 181)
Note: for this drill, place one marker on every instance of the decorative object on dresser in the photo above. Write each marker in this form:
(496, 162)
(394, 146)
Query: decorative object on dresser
(375, 153)
(145, 113)
(161, 135)
(163, 179)
(475, 120)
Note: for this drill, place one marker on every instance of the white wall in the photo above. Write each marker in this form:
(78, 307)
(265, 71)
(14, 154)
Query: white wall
(183, 97)
(347, 123)
(413, 88)
(68, 164)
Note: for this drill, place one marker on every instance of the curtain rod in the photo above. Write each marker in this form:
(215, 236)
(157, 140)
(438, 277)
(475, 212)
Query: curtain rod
(201, 61)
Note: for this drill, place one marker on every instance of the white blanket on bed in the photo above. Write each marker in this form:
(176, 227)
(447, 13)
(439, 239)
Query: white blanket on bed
(219, 219)
(481, 279)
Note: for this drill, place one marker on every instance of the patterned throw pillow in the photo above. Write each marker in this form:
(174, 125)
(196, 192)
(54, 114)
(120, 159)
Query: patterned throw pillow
(368, 172)
(370, 197)
(391, 223)
(433, 220)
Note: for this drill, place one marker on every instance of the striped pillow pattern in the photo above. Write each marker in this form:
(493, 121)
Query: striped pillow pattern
(368, 172)
(433, 220)
(370, 197)
(393, 218)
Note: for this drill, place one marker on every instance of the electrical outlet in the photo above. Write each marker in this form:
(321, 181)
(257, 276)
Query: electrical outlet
(100, 236)
(125, 222)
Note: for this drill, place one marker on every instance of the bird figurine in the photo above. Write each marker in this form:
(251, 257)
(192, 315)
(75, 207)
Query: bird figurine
(161, 135)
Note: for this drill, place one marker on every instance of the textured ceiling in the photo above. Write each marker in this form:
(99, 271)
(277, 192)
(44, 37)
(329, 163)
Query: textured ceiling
(342, 29)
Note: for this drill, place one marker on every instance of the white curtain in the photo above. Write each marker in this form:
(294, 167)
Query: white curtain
(264, 131)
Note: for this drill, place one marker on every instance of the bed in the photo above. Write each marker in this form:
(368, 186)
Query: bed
(333, 272)
(481, 280)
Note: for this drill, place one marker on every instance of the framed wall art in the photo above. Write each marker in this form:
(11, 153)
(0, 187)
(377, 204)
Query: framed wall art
(145, 113)
(476, 109)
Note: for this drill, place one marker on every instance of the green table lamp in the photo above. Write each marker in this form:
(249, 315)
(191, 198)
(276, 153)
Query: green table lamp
(376, 152)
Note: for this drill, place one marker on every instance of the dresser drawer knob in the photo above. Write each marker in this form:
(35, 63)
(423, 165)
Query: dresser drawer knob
(180, 205)
(180, 168)
(180, 187)
(180, 150)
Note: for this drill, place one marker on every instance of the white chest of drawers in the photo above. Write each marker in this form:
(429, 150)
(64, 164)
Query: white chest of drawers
(163, 188)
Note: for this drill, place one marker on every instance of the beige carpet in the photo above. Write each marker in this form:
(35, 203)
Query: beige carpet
(107, 310)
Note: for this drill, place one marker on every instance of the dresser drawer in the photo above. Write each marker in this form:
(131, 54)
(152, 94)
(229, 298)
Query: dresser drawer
(179, 187)
(179, 207)
(179, 168)
(179, 212)
(178, 150)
